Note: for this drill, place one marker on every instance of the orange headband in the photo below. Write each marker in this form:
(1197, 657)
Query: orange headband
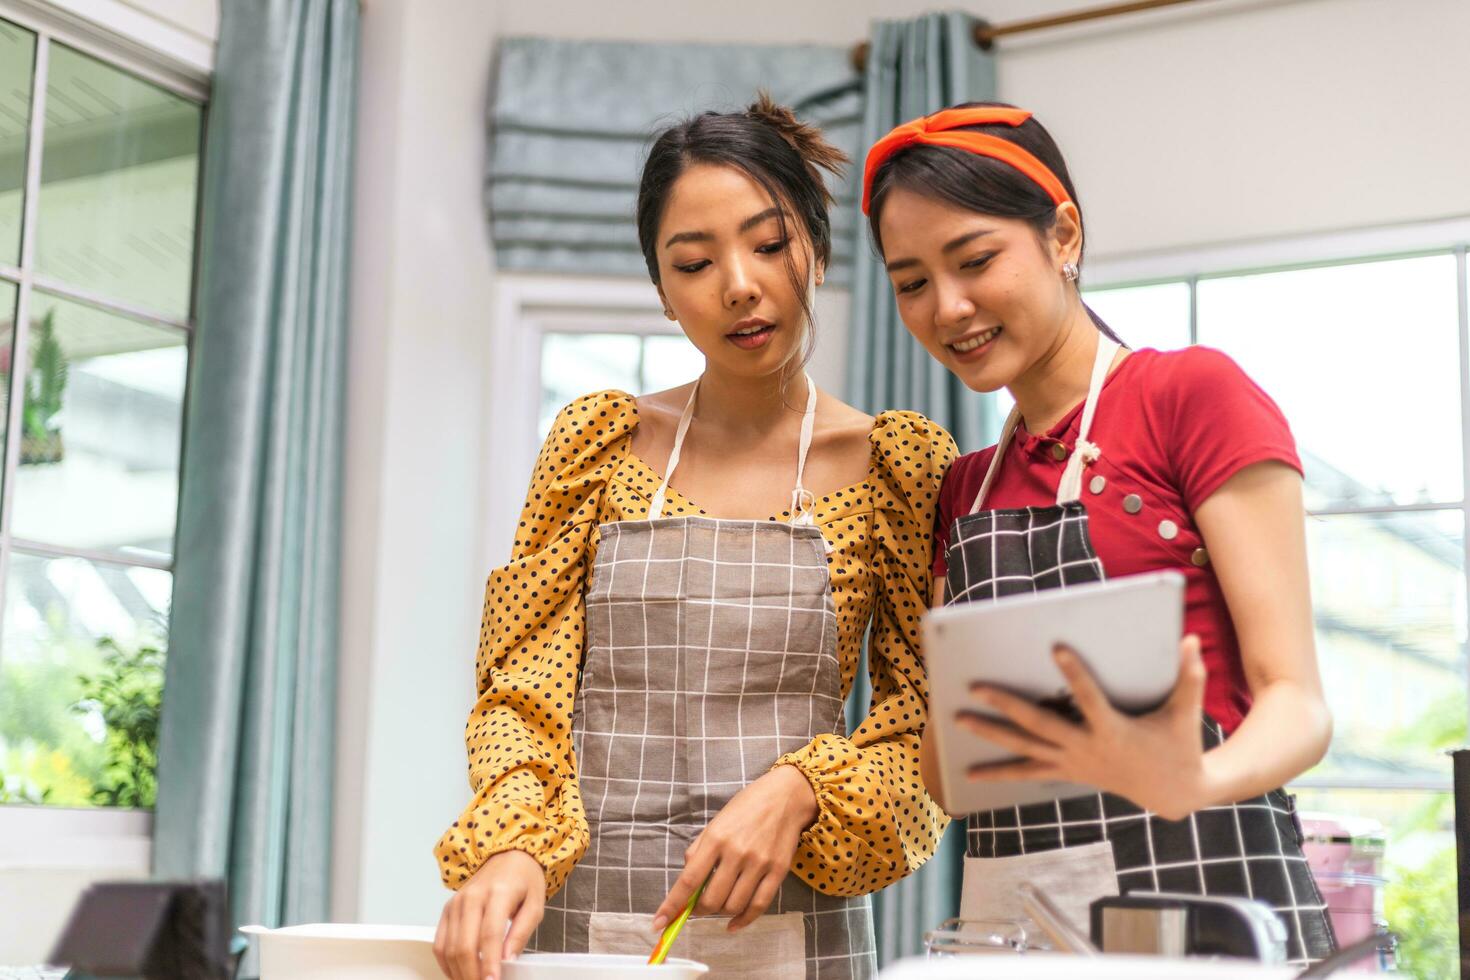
(940, 130)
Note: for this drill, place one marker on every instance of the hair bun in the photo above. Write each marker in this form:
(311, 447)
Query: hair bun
(807, 140)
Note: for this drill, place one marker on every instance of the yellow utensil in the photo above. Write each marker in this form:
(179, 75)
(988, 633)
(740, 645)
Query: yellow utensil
(671, 931)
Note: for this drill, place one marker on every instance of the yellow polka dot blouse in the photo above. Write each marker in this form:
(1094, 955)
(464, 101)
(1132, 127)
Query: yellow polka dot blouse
(876, 823)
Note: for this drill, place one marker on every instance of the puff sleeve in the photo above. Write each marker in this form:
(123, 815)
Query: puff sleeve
(876, 823)
(519, 733)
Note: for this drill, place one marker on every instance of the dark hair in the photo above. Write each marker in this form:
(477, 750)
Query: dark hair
(980, 183)
(768, 144)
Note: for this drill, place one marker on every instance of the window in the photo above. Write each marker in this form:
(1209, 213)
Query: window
(1384, 484)
(99, 174)
(1156, 315)
(573, 364)
(1364, 358)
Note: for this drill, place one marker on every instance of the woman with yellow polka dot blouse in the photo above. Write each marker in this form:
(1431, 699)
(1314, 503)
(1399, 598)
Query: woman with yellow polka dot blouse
(663, 663)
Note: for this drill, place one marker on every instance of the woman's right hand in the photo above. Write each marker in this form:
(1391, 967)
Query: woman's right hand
(471, 941)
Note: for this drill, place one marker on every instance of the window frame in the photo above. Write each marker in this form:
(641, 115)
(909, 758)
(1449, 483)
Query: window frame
(169, 59)
(527, 308)
(640, 329)
(123, 37)
(1435, 238)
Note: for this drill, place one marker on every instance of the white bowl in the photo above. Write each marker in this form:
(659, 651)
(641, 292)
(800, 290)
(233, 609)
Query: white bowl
(346, 951)
(591, 966)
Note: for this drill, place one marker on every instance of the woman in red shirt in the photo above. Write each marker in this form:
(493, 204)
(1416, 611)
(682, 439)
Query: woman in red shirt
(1120, 462)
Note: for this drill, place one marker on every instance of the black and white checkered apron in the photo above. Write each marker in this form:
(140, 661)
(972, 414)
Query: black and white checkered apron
(1251, 848)
(711, 652)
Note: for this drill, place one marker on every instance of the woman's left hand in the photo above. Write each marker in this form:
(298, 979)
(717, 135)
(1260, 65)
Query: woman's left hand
(746, 850)
(1156, 760)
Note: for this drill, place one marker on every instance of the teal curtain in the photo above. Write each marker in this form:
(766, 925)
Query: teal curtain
(914, 67)
(246, 753)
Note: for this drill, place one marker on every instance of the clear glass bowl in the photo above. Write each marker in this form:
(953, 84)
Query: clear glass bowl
(965, 937)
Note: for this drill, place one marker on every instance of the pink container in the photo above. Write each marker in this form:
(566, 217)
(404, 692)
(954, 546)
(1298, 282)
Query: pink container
(1346, 857)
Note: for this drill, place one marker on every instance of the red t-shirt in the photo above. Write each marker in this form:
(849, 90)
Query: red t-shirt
(1172, 426)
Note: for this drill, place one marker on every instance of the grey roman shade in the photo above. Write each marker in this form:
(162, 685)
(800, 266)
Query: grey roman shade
(570, 122)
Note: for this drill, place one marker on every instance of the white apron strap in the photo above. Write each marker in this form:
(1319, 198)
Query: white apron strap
(656, 508)
(1085, 452)
(802, 500)
(1007, 430)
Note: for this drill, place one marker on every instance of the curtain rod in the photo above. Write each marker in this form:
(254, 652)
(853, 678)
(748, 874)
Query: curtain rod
(986, 34)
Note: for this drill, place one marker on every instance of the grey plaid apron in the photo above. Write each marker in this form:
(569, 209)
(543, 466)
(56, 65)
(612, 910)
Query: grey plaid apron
(711, 651)
(1251, 848)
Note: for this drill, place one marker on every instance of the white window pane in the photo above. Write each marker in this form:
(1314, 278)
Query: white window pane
(17, 60)
(1410, 865)
(669, 361)
(1364, 361)
(573, 365)
(81, 675)
(1001, 406)
(119, 173)
(1154, 316)
(101, 428)
(1389, 602)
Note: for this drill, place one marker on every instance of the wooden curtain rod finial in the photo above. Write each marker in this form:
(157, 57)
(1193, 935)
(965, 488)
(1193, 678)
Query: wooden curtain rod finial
(985, 34)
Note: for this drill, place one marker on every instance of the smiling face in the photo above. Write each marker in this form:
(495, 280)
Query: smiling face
(725, 271)
(985, 295)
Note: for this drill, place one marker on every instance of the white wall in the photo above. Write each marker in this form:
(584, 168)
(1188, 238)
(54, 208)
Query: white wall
(413, 574)
(1236, 119)
(1256, 120)
(1227, 120)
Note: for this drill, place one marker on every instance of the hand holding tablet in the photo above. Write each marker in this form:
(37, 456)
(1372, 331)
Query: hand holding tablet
(1017, 720)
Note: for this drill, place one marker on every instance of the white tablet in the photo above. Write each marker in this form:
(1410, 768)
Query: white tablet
(1126, 630)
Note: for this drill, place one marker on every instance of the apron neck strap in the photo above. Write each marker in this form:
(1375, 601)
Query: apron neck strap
(802, 500)
(1007, 430)
(1084, 452)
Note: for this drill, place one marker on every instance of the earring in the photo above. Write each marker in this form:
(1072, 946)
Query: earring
(668, 313)
(819, 280)
(1069, 271)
